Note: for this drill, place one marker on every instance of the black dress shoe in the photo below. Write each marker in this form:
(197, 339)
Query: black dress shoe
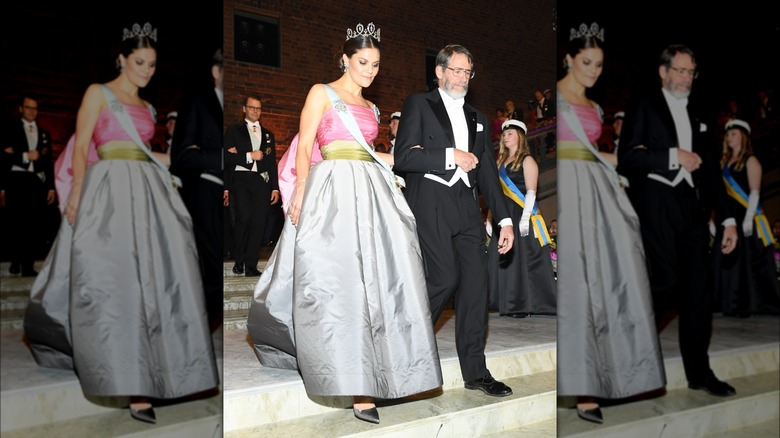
(370, 415)
(252, 272)
(714, 387)
(593, 415)
(14, 268)
(517, 315)
(145, 415)
(238, 268)
(489, 386)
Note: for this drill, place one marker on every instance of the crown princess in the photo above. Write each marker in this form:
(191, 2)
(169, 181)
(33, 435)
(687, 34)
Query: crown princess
(359, 31)
(145, 31)
(585, 31)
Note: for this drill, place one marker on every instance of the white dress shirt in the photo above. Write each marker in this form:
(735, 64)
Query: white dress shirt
(460, 131)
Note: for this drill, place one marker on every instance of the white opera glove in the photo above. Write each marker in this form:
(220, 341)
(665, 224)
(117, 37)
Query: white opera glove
(711, 225)
(747, 222)
(525, 219)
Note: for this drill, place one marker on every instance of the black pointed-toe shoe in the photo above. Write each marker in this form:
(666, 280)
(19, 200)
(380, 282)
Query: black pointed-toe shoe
(714, 387)
(489, 386)
(593, 415)
(369, 415)
(145, 415)
(238, 268)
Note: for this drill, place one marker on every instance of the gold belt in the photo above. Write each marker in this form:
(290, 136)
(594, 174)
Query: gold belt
(122, 152)
(574, 150)
(345, 150)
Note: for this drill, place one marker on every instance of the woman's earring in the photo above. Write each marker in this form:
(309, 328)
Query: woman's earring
(121, 66)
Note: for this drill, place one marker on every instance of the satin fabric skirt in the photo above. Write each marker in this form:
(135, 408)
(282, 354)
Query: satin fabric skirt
(343, 296)
(120, 298)
(607, 341)
(521, 281)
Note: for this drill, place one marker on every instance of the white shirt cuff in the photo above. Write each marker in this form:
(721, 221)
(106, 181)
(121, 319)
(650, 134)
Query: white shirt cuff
(449, 155)
(25, 158)
(729, 222)
(674, 162)
(249, 158)
(507, 221)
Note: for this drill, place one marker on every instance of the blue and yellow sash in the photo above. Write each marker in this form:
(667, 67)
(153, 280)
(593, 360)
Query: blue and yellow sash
(763, 230)
(537, 221)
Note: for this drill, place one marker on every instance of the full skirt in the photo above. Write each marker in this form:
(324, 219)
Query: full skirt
(120, 297)
(343, 296)
(607, 341)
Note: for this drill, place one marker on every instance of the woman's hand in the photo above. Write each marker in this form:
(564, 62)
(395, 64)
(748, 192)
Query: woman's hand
(73, 204)
(297, 201)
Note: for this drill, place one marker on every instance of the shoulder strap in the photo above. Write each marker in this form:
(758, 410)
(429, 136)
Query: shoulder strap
(349, 121)
(124, 119)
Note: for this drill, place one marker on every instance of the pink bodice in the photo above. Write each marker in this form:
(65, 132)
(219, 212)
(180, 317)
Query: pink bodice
(589, 119)
(108, 128)
(332, 128)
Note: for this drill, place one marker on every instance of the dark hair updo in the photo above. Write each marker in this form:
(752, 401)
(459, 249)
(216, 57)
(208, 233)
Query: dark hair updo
(131, 43)
(355, 44)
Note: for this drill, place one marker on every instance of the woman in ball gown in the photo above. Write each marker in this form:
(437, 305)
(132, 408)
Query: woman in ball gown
(522, 282)
(607, 342)
(343, 296)
(119, 298)
(748, 284)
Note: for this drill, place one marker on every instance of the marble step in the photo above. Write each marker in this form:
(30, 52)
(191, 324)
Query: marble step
(753, 371)
(767, 429)
(684, 412)
(37, 401)
(530, 371)
(542, 429)
(195, 419)
(455, 412)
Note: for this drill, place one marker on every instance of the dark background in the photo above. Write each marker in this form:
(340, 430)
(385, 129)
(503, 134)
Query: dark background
(736, 46)
(57, 49)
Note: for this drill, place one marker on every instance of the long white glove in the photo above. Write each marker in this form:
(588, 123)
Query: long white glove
(525, 219)
(747, 222)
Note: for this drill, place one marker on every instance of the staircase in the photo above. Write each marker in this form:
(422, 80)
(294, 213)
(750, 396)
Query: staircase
(267, 402)
(744, 353)
(47, 402)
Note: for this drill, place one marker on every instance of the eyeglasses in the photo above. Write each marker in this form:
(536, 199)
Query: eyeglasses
(459, 72)
(252, 108)
(684, 71)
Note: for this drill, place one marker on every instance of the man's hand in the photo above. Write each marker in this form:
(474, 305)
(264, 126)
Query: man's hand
(50, 197)
(225, 198)
(689, 160)
(233, 150)
(729, 241)
(506, 239)
(274, 197)
(465, 160)
(256, 155)
(33, 155)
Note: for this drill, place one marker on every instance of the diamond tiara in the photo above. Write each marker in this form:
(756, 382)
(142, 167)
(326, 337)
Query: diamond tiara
(359, 31)
(145, 31)
(585, 31)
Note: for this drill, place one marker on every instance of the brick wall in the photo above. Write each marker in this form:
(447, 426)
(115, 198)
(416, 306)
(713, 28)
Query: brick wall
(513, 46)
